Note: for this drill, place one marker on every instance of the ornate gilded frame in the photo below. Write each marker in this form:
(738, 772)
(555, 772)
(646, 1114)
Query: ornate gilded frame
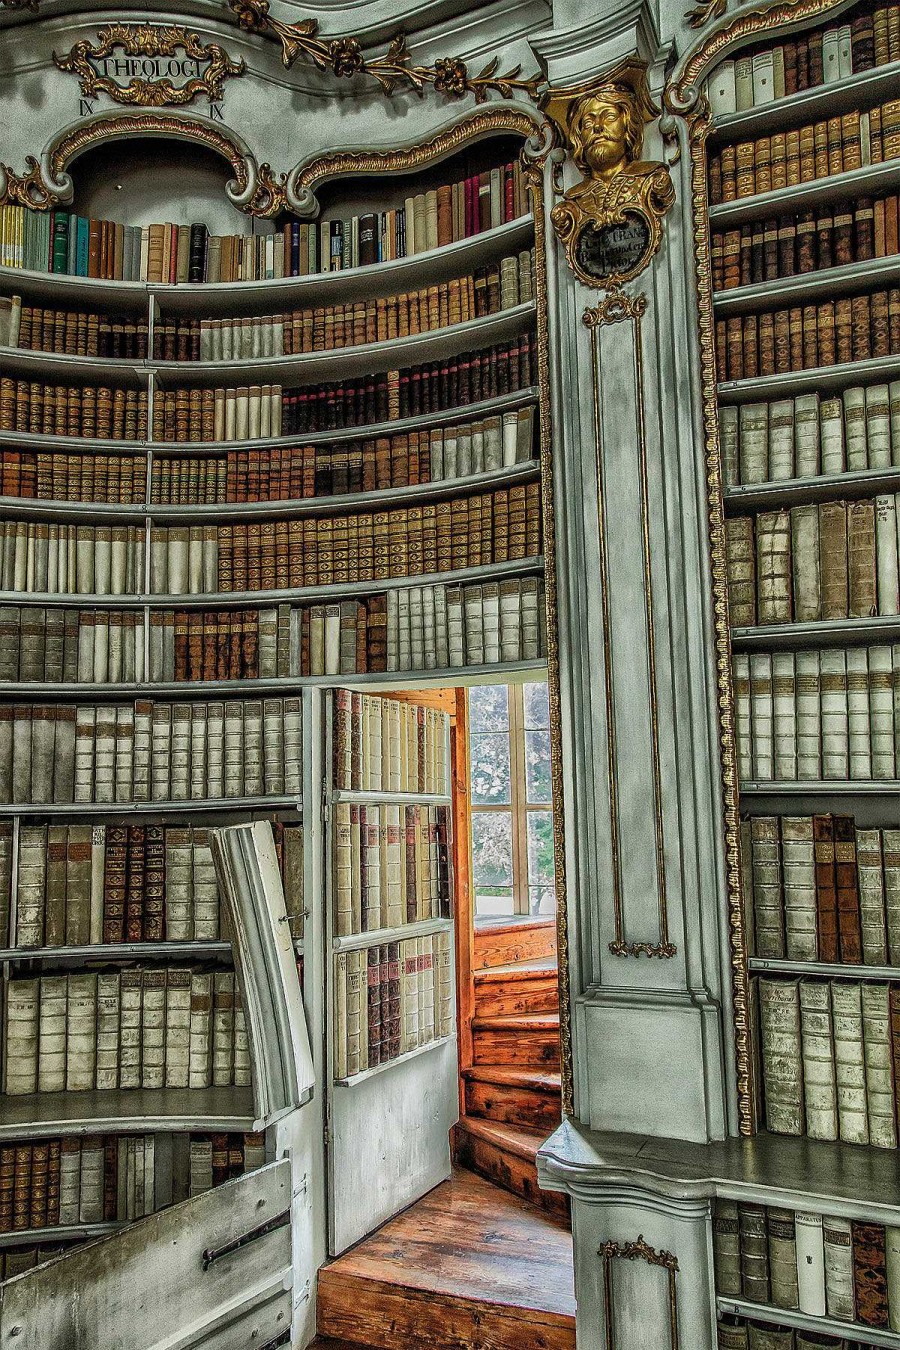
(149, 39)
(638, 1250)
(683, 97)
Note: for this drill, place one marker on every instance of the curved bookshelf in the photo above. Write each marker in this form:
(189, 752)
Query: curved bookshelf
(865, 88)
(796, 491)
(161, 382)
(853, 1331)
(870, 179)
(466, 412)
(792, 290)
(427, 267)
(284, 508)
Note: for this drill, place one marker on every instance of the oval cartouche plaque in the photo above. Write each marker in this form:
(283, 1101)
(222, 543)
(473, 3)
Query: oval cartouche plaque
(613, 250)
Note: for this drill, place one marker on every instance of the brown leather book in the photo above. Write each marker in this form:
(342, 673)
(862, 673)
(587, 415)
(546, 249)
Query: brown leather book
(134, 910)
(114, 883)
(869, 1274)
(849, 922)
(826, 888)
(154, 883)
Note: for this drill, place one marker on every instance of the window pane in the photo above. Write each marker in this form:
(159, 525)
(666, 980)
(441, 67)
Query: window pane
(537, 706)
(537, 766)
(540, 848)
(489, 765)
(541, 900)
(492, 865)
(488, 708)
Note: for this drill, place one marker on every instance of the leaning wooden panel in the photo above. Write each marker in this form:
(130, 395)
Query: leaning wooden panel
(212, 1272)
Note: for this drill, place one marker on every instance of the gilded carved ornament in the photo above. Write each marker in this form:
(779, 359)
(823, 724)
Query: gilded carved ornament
(610, 223)
(150, 55)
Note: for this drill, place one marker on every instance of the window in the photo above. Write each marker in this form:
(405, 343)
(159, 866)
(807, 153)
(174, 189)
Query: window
(512, 819)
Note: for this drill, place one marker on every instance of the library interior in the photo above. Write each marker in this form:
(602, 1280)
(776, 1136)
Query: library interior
(450, 853)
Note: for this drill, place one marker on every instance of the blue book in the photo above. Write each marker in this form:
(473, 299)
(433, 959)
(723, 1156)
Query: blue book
(82, 230)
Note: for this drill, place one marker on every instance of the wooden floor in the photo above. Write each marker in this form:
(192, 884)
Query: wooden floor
(470, 1267)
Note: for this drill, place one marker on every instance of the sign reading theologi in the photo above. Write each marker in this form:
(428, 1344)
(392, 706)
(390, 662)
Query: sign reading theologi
(150, 66)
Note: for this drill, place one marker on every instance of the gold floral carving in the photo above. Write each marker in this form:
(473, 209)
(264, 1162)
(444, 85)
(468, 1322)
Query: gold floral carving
(638, 1251)
(344, 57)
(27, 189)
(150, 40)
(602, 125)
(613, 308)
(700, 15)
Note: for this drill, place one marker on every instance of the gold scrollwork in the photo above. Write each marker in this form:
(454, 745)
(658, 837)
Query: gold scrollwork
(616, 306)
(700, 15)
(150, 40)
(344, 57)
(638, 1251)
(621, 200)
(26, 189)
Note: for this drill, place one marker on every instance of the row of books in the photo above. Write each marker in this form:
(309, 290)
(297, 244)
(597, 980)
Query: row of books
(425, 628)
(807, 436)
(391, 865)
(119, 479)
(80, 885)
(818, 1264)
(330, 327)
(817, 714)
(152, 1028)
(829, 1052)
(805, 154)
(818, 888)
(413, 628)
(832, 235)
(76, 410)
(72, 559)
(281, 473)
(63, 242)
(149, 751)
(385, 745)
(71, 332)
(823, 56)
(246, 413)
(834, 560)
(291, 472)
(249, 412)
(113, 1178)
(853, 328)
(502, 526)
(741, 1333)
(103, 645)
(390, 999)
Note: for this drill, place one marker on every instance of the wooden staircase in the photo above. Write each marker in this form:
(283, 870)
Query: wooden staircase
(512, 1088)
(468, 1267)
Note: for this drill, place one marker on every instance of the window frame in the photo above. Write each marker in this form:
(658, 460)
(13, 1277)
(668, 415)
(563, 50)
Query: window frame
(517, 808)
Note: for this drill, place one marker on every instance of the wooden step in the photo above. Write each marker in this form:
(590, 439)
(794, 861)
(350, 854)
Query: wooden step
(468, 1267)
(529, 1039)
(515, 1096)
(529, 987)
(506, 1154)
(503, 941)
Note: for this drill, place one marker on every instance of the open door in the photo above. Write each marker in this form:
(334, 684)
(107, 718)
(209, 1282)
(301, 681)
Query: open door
(391, 1042)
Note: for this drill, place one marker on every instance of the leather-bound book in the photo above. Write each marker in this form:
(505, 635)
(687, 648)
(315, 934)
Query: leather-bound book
(754, 1253)
(849, 924)
(870, 1274)
(826, 888)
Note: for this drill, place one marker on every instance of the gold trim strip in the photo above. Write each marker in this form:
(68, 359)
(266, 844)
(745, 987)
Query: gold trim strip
(614, 309)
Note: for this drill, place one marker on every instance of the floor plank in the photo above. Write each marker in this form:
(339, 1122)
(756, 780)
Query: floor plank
(468, 1267)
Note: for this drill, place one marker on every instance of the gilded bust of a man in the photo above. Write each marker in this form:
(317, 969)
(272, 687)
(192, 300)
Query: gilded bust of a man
(603, 127)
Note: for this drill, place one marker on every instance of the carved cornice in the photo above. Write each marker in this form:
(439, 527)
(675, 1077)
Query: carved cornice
(150, 40)
(344, 58)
